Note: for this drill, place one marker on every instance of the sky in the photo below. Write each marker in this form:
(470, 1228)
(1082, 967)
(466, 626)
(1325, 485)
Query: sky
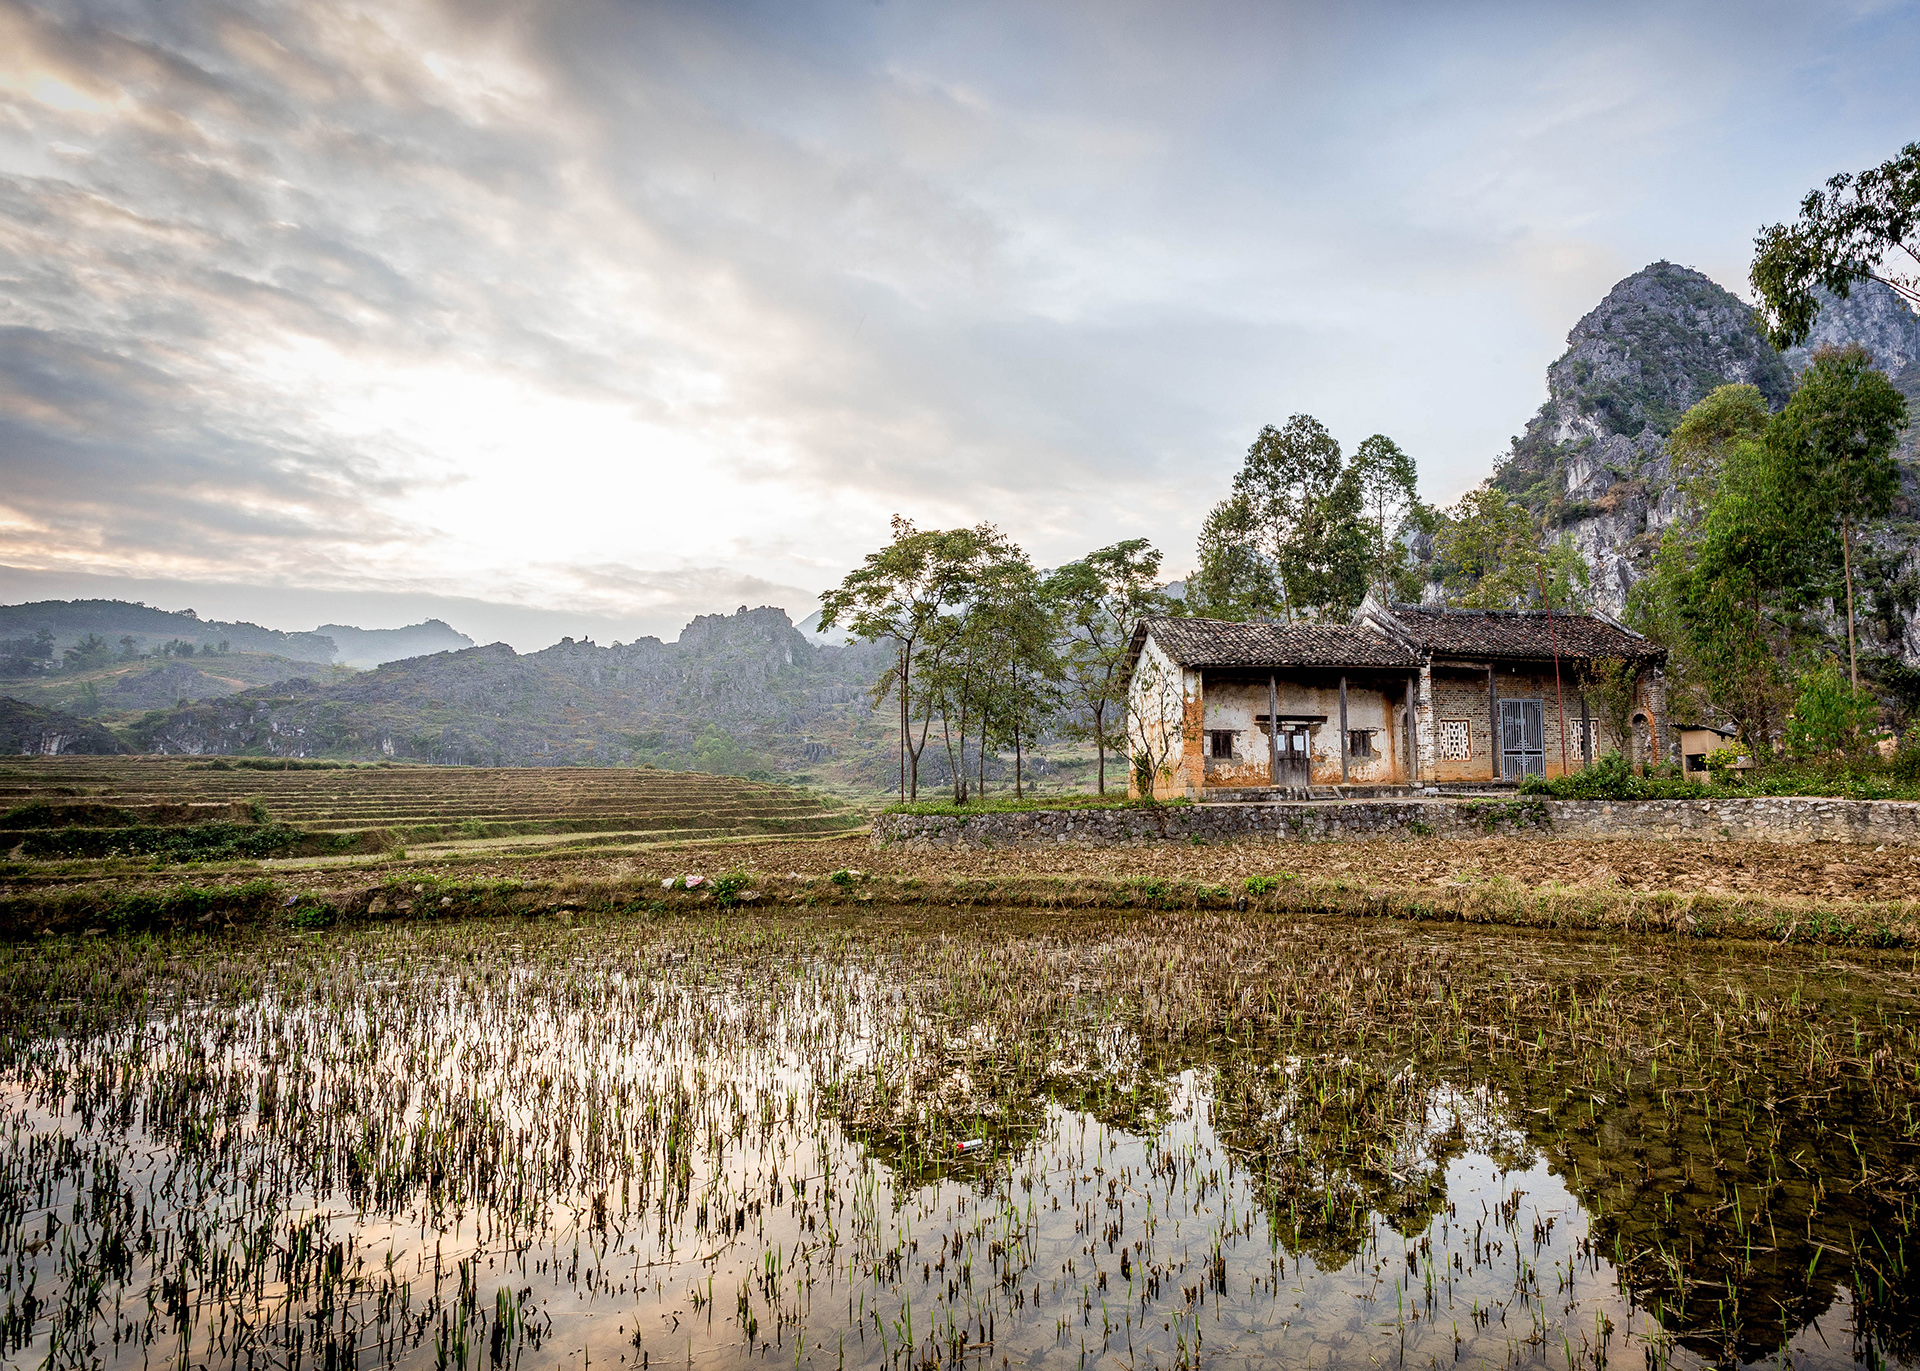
(585, 318)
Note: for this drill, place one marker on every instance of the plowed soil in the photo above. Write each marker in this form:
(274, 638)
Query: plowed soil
(1836, 871)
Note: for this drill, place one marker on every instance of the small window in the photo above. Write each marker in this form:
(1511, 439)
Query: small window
(1696, 761)
(1359, 742)
(1220, 744)
(1456, 740)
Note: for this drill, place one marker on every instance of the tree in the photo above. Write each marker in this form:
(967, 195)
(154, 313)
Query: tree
(1098, 600)
(1334, 556)
(1728, 596)
(1235, 579)
(1155, 722)
(1830, 714)
(1288, 472)
(1697, 448)
(897, 595)
(979, 647)
(1845, 235)
(1490, 557)
(1387, 479)
(1833, 444)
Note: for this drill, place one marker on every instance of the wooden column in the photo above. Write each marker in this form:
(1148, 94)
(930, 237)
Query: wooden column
(1273, 731)
(1412, 769)
(1493, 717)
(1343, 730)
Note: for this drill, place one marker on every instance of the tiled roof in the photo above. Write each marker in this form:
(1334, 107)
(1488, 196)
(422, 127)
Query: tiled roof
(1216, 643)
(1519, 633)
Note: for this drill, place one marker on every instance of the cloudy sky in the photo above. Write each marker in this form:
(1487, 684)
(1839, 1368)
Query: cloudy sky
(587, 317)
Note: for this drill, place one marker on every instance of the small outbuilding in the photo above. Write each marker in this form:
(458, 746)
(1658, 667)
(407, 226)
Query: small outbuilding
(1401, 696)
(1697, 742)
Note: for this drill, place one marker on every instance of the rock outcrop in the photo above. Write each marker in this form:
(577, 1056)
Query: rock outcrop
(1594, 458)
(1593, 461)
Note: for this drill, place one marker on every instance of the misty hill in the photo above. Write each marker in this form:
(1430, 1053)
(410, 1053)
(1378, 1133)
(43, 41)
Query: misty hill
(1593, 460)
(368, 647)
(742, 692)
(123, 688)
(69, 621)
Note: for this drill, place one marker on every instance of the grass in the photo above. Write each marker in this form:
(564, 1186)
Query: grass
(1610, 778)
(1006, 804)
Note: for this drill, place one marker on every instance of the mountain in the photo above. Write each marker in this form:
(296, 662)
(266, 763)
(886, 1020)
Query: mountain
(369, 647)
(1593, 460)
(741, 692)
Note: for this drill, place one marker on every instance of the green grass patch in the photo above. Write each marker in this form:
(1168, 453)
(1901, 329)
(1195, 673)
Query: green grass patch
(1008, 805)
(1610, 778)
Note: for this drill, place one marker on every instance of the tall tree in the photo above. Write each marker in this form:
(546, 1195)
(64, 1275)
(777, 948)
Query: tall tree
(1700, 443)
(1490, 557)
(1098, 600)
(997, 626)
(1728, 597)
(898, 595)
(1288, 474)
(1387, 481)
(1235, 580)
(1834, 444)
(1862, 227)
(1334, 555)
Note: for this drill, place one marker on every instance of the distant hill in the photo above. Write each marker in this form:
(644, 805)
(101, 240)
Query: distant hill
(123, 688)
(70, 621)
(739, 693)
(369, 647)
(29, 731)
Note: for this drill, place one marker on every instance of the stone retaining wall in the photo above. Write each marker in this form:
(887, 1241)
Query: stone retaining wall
(1781, 819)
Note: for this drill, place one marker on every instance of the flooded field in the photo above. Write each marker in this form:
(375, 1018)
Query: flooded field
(974, 1138)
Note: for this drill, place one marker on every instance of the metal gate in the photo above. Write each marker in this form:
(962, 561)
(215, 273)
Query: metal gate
(1523, 738)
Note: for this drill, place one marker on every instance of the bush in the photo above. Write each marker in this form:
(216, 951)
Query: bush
(1829, 716)
(1610, 778)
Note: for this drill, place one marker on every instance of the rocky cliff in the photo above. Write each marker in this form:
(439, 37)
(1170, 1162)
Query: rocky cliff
(1593, 460)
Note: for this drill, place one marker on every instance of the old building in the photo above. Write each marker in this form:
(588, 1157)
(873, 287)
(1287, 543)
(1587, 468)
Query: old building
(1402, 696)
(1216, 705)
(1508, 693)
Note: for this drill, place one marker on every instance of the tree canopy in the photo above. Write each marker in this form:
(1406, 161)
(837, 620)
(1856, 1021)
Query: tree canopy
(1859, 227)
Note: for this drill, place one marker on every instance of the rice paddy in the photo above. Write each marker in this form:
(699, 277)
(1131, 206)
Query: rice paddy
(882, 1137)
(431, 810)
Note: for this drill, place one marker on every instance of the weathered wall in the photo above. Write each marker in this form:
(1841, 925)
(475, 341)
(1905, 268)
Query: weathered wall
(1784, 819)
(1163, 724)
(1461, 696)
(1236, 705)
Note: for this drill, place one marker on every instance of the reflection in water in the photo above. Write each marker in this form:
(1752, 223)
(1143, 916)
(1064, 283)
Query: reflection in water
(705, 1144)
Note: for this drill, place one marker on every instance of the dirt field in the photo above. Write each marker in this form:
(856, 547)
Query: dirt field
(1837, 871)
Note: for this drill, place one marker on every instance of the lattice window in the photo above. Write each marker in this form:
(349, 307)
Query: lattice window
(1456, 740)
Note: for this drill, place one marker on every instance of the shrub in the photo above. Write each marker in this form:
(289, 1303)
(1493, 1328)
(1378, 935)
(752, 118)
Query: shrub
(1611, 778)
(1829, 716)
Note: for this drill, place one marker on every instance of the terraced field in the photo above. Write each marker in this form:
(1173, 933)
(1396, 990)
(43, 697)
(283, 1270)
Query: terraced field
(426, 808)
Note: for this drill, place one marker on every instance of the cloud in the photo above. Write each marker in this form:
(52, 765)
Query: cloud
(606, 308)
